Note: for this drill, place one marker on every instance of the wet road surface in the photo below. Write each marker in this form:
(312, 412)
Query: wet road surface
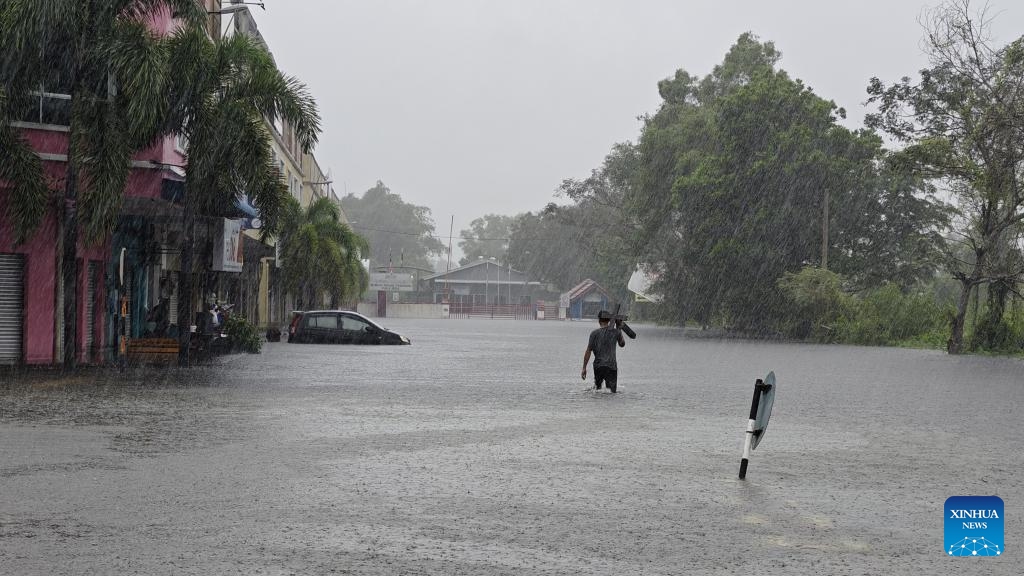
(478, 450)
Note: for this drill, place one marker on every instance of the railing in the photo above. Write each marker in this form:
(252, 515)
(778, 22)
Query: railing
(502, 311)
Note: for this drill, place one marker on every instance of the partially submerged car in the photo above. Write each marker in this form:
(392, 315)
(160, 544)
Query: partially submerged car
(339, 327)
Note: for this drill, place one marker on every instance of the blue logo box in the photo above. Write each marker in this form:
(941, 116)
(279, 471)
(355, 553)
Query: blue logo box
(974, 526)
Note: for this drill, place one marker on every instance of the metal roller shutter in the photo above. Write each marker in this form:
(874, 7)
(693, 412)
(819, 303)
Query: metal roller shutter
(128, 279)
(90, 309)
(172, 305)
(12, 306)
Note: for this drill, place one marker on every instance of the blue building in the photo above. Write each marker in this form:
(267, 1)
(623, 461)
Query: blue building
(585, 300)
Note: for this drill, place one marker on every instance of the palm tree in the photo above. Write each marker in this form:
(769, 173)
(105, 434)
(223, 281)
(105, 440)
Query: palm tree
(104, 55)
(322, 255)
(222, 92)
(23, 170)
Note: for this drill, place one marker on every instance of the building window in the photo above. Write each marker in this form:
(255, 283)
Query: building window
(48, 108)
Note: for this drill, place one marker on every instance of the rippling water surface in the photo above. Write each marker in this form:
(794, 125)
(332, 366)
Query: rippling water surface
(479, 450)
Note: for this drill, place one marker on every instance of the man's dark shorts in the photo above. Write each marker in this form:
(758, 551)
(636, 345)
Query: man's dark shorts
(607, 375)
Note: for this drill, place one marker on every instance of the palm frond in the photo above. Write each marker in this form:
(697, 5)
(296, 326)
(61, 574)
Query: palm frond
(138, 60)
(190, 55)
(245, 142)
(269, 194)
(298, 107)
(104, 153)
(191, 12)
(323, 210)
(22, 171)
(32, 40)
(275, 95)
(321, 253)
(291, 213)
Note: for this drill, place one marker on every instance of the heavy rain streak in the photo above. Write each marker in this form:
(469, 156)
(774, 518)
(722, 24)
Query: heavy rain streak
(465, 287)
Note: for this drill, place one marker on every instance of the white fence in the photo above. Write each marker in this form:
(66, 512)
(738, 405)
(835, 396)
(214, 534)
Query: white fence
(550, 311)
(394, 310)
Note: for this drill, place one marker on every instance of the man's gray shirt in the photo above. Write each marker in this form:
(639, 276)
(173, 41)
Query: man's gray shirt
(602, 343)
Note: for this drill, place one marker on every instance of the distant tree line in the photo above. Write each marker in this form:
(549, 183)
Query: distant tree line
(757, 211)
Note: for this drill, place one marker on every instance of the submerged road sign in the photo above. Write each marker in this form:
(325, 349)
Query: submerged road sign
(760, 413)
(764, 409)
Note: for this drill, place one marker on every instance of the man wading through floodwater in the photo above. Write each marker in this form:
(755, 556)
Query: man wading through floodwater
(602, 344)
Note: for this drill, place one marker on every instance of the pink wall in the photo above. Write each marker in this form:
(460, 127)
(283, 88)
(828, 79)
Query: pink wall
(143, 182)
(46, 141)
(40, 281)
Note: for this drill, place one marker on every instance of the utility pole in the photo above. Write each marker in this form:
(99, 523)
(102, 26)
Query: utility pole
(824, 232)
(448, 281)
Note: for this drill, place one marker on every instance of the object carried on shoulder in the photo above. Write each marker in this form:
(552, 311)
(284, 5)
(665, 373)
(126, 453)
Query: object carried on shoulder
(619, 319)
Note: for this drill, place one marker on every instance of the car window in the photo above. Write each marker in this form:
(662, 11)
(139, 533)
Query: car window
(324, 321)
(354, 324)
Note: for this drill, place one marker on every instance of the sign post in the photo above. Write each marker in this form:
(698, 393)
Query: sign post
(760, 412)
(392, 282)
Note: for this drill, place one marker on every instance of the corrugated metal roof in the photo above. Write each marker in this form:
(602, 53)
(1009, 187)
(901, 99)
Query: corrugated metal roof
(584, 288)
(503, 268)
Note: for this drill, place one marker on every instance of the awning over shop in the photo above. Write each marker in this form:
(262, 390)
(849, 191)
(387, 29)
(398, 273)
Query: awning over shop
(172, 191)
(167, 204)
(172, 183)
(150, 208)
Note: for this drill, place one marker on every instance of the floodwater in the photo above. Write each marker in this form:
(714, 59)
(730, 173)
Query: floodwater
(479, 450)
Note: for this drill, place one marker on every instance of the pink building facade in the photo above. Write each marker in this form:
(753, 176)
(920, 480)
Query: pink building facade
(147, 237)
(35, 264)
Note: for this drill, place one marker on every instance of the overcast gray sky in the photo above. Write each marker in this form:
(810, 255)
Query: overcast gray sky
(471, 107)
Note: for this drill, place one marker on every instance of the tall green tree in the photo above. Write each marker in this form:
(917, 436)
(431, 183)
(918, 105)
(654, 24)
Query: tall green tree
(102, 54)
(548, 247)
(962, 123)
(399, 233)
(675, 142)
(607, 232)
(747, 203)
(322, 255)
(892, 229)
(592, 237)
(221, 96)
(487, 237)
(746, 175)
